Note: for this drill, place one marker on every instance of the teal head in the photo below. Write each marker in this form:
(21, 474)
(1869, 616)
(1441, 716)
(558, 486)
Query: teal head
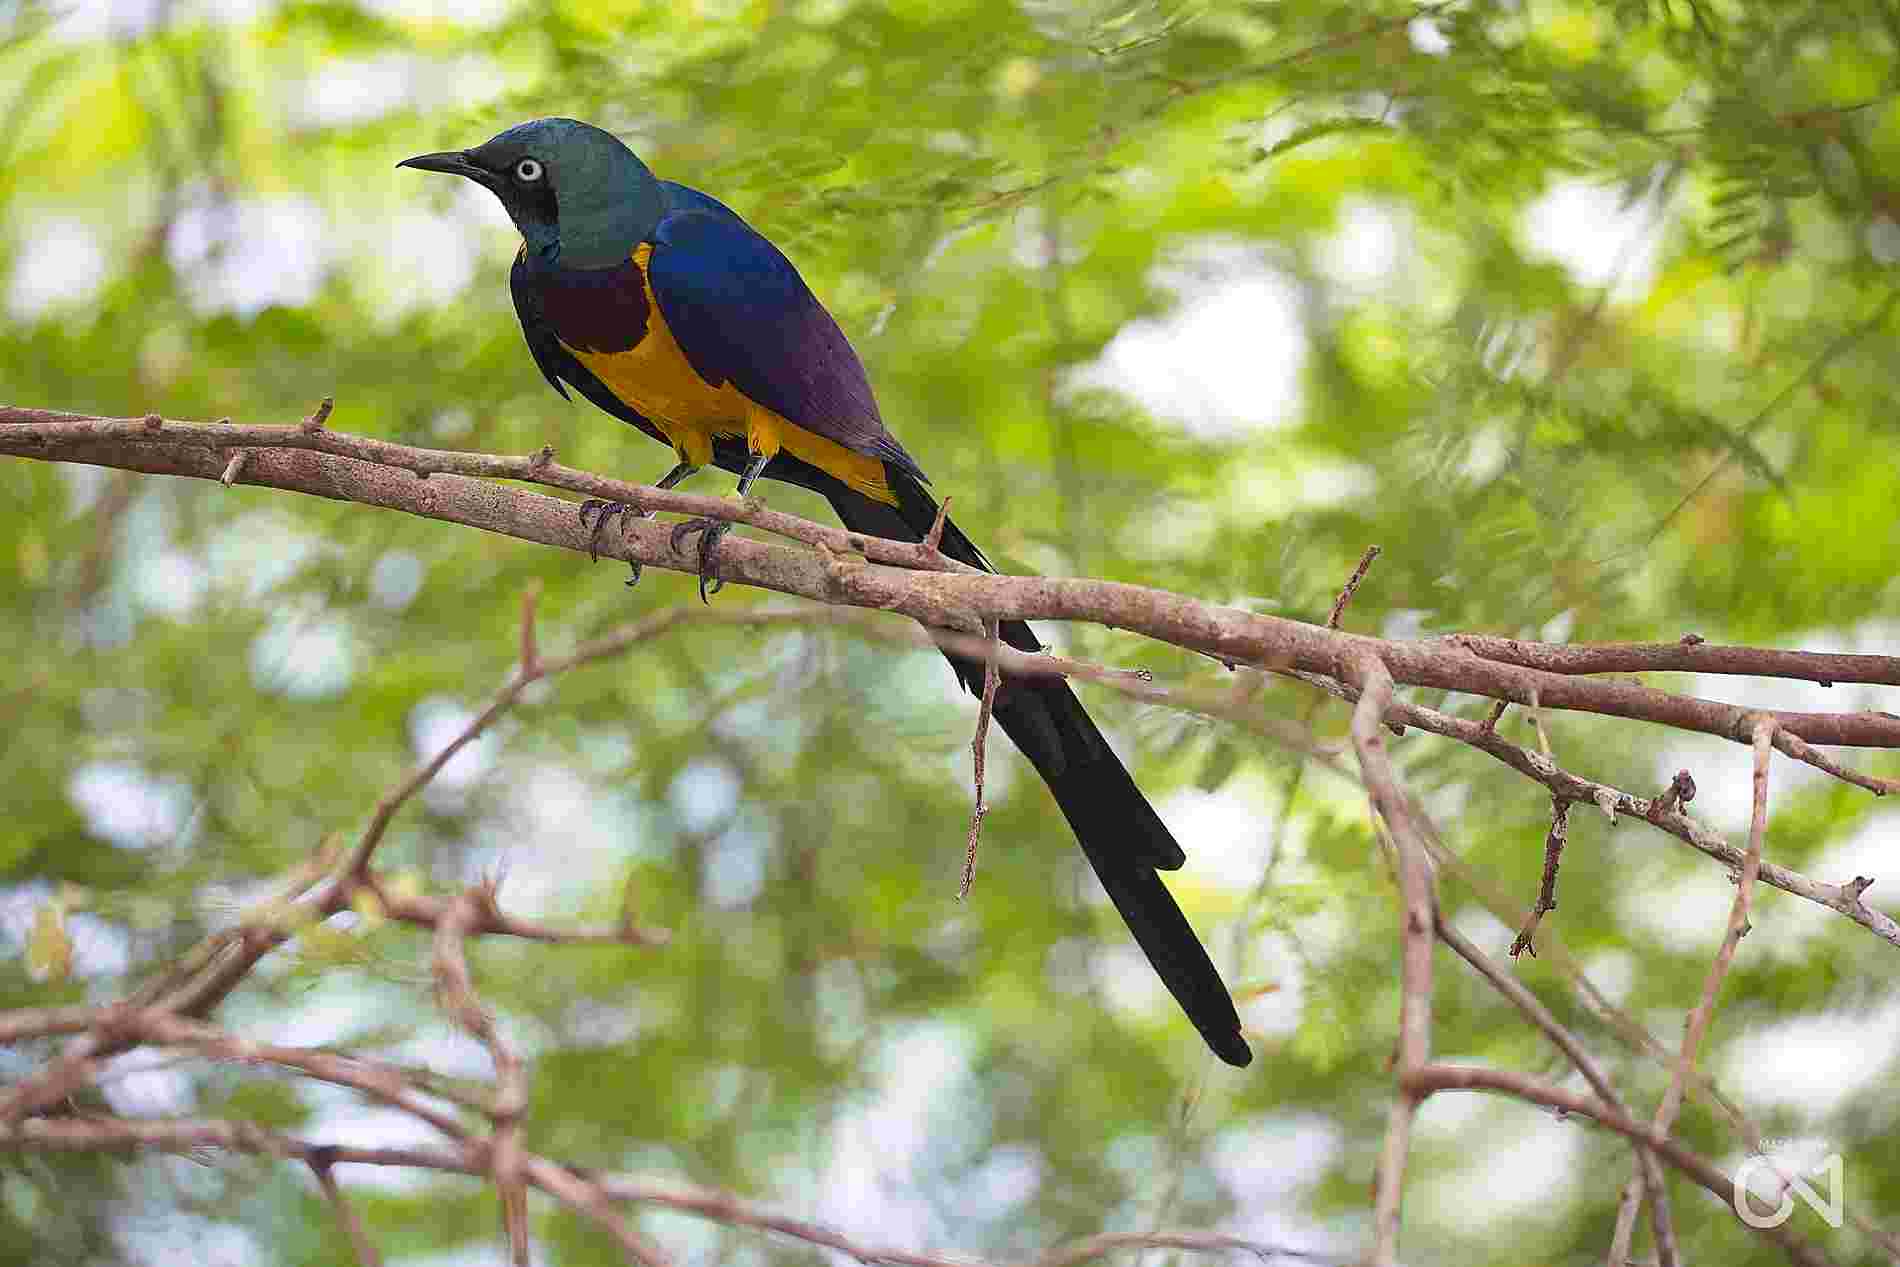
(577, 194)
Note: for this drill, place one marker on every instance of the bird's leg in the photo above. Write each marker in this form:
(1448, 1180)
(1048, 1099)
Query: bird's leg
(605, 510)
(711, 530)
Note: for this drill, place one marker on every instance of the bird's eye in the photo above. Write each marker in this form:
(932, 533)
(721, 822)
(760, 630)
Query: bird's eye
(527, 171)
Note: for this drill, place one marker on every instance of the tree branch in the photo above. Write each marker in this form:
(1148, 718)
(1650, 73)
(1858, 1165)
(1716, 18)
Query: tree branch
(1417, 918)
(366, 1252)
(1520, 997)
(1842, 898)
(1688, 655)
(290, 458)
(594, 1195)
(1698, 1023)
(455, 992)
(958, 607)
(1436, 1078)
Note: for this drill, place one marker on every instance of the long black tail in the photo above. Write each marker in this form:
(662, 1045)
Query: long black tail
(1125, 840)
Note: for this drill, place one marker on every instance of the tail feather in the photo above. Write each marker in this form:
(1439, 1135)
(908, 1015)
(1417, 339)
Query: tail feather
(1122, 836)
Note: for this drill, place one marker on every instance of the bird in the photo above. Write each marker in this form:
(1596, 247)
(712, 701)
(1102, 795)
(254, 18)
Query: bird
(667, 310)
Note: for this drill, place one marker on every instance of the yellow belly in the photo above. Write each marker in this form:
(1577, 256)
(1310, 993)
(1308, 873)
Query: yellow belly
(655, 378)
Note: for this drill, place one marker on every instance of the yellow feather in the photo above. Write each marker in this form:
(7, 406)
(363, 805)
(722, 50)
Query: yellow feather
(655, 378)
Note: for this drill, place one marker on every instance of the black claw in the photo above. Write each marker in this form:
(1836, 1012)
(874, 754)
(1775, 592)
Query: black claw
(605, 510)
(709, 531)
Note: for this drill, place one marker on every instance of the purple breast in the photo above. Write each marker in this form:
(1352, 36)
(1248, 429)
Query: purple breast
(595, 309)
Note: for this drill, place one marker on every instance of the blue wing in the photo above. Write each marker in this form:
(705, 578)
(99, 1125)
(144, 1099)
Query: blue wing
(742, 314)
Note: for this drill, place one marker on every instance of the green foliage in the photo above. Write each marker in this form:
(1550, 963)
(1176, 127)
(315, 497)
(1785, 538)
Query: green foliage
(986, 194)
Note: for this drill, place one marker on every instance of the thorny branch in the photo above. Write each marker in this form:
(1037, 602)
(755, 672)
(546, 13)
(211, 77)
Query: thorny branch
(955, 608)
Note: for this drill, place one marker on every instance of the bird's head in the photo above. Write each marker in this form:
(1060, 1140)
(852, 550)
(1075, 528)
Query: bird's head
(576, 193)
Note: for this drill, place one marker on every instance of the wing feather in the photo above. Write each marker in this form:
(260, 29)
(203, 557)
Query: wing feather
(742, 314)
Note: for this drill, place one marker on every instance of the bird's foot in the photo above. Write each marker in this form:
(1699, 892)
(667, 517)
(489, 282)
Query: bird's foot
(709, 531)
(599, 511)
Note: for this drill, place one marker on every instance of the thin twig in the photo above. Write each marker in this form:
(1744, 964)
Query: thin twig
(1801, 750)
(1537, 723)
(1844, 899)
(1352, 586)
(1689, 654)
(593, 1195)
(185, 1135)
(1839, 346)
(1547, 891)
(19, 1024)
(1416, 921)
(1682, 790)
(1436, 1078)
(733, 1211)
(1627, 1027)
(1699, 1017)
(376, 1080)
(455, 989)
(587, 1196)
(530, 654)
(188, 1135)
(1649, 1170)
(992, 678)
(366, 1252)
(1629, 1205)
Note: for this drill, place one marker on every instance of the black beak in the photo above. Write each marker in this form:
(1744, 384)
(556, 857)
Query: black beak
(454, 162)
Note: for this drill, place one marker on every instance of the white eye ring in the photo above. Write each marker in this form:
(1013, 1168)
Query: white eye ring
(527, 171)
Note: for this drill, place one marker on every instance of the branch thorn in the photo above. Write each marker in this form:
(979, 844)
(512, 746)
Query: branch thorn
(933, 540)
(319, 415)
(1680, 792)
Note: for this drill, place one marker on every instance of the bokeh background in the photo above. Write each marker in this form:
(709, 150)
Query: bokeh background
(1580, 310)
